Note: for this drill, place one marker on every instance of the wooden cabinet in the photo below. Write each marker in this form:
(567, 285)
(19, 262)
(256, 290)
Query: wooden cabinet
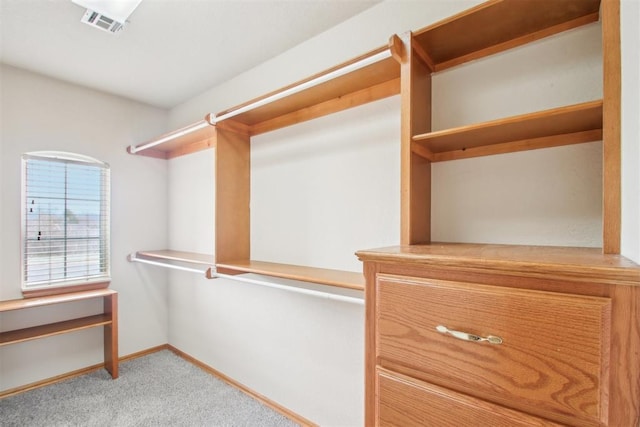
(552, 336)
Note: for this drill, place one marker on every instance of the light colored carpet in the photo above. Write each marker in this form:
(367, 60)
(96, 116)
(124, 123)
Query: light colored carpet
(160, 389)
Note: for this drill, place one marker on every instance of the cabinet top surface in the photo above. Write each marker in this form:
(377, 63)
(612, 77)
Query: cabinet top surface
(540, 259)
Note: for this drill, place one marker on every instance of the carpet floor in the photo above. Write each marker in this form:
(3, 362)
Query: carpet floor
(160, 389)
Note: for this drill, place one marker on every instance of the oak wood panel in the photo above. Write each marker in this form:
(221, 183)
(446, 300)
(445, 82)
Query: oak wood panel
(51, 329)
(182, 256)
(499, 25)
(612, 122)
(371, 75)
(193, 147)
(415, 196)
(232, 196)
(406, 402)
(563, 123)
(324, 276)
(553, 361)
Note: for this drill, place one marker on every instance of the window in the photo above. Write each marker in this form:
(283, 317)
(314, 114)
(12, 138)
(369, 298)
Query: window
(65, 226)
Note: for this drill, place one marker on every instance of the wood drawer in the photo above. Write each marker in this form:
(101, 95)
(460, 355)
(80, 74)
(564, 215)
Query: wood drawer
(405, 402)
(553, 360)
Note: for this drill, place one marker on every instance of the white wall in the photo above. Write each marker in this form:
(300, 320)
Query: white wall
(541, 197)
(630, 33)
(39, 113)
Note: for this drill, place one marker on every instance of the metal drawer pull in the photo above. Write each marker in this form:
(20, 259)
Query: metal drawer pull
(468, 337)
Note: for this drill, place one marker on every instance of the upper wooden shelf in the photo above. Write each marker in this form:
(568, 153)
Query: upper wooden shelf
(499, 25)
(189, 139)
(338, 278)
(572, 124)
(288, 106)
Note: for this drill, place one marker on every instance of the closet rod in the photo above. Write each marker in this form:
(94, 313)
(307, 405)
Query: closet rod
(133, 258)
(326, 295)
(171, 136)
(304, 85)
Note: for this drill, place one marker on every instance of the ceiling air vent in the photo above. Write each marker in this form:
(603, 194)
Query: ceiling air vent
(107, 15)
(101, 21)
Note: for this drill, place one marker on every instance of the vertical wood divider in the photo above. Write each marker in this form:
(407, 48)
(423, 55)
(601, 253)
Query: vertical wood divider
(111, 357)
(415, 198)
(232, 196)
(611, 127)
(370, 270)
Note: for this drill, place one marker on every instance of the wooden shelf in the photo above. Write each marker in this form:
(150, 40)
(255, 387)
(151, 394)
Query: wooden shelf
(338, 278)
(169, 255)
(499, 25)
(370, 83)
(180, 142)
(559, 126)
(21, 335)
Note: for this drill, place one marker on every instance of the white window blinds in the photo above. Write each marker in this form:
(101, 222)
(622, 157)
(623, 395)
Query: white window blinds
(65, 220)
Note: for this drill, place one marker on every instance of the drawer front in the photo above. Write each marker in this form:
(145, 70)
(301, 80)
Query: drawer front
(405, 402)
(552, 360)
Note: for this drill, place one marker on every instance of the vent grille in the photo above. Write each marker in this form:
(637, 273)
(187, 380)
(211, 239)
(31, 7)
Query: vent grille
(101, 22)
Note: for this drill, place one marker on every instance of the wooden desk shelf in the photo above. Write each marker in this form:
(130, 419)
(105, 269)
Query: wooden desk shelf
(323, 276)
(108, 319)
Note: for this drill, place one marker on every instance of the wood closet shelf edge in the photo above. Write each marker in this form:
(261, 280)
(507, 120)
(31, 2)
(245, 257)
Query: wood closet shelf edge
(323, 276)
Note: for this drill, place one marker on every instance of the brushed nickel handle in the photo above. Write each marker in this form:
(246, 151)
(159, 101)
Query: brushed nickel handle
(492, 339)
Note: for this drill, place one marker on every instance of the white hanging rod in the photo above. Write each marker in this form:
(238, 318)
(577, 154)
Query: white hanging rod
(320, 294)
(134, 258)
(171, 136)
(305, 85)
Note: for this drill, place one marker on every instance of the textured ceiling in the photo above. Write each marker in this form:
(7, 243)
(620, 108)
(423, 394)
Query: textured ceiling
(170, 51)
